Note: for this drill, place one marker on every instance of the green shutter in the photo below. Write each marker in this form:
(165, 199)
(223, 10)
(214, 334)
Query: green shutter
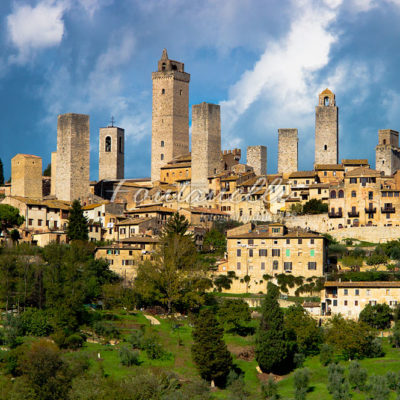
(287, 252)
(312, 253)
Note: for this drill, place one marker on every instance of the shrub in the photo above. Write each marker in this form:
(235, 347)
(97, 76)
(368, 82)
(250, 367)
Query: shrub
(395, 336)
(35, 322)
(270, 389)
(376, 259)
(106, 330)
(299, 359)
(74, 341)
(136, 338)
(128, 356)
(375, 349)
(338, 386)
(357, 376)
(301, 380)
(378, 316)
(326, 354)
(153, 348)
(392, 380)
(378, 388)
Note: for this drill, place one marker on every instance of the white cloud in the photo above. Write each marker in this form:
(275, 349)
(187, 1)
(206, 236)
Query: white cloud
(39, 27)
(91, 6)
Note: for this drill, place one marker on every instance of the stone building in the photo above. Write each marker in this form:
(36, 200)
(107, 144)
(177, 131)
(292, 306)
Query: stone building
(387, 152)
(111, 153)
(73, 157)
(288, 144)
(257, 158)
(53, 173)
(170, 118)
(326, 129)
(206, 144)
(26, 176)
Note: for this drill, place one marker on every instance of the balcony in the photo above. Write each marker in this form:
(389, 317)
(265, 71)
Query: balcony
(370, 210)
(337, 214)
(330, 295)
(353, 214)
(388, 210)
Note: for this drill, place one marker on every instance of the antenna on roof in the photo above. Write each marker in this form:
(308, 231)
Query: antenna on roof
(112, 121)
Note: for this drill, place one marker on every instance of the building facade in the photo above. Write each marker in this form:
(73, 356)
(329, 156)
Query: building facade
(111, 153)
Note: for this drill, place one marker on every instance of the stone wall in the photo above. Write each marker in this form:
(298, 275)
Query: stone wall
(170, 118)
(317, 222)
(53, 173)
(257, 158)
(111, 153)
(206, 144)
(287, 150)
(372, 234)
(26, 176)
(73, 157)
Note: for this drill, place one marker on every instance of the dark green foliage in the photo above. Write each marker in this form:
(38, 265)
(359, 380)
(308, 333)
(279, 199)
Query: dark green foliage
(376, 259)
(301, 380)
(393, 380)
(153, 348)
(74, 341)
(304, 328)
(1, 173)
(136, 339)
(338, 385)
(375, 349)
(337, 249)
(77, 223)
(128, 357)
(36, 322)
(47, 171)
(209, 351)
(286, 281)
(270, 389)
(224, 281)
(15, 236)
(214, 242)
(395, 336)
(234, 314)
(299, 359)
(357, 376)
(274, 350)
(326, 354)
(378, 388)
(358, 252)
(106, 330)
(315, 206)
(9, 217)
(378, 316)
(176, 225)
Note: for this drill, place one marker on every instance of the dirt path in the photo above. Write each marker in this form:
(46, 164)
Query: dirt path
(153, 320)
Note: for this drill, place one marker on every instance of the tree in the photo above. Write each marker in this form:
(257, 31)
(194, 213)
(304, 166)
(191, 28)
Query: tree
(354, 263)
(47, 171)
(77, 223)
(234, 314)
(357, 376)
(270, 389)
(215, 242)
(304, 328)
(378, 316)
(326, 354)
(338, 385)
(9, 217)
(1, 173)
(274, 351)
(378, 388)
(395, 336)
(376, 259)
(209, 351)
(315, 206)
(301, 380)
(176, 225)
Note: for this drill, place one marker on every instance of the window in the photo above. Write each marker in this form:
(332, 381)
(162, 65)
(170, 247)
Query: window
(238, 253)
(312, 253)
(341, 194)
(108, 144)
(40, 222)
(162, 91)
(370, 195)
(357, 292)
(238, 266)
(393, 303)
(333, 194)
(162, 156)
(275, 242)
(368, 292)
(299, 241)
(275, 265)
(325, 147)
(250, 252)
(287, 252)
(326, 102)
(263, 265)
(353, 193)
(345, 302)
(262, 253)
(276, 252)
(372, 302)
(275, 230)
(346, 292)
(312, 265)
(180, 92)
(287, 241)
(325, 173)
(311, 241)
(334, 303)
(356, 303)
(387, 291)
(353, 180)
(162, 143)
(287, 266)
(30, 221)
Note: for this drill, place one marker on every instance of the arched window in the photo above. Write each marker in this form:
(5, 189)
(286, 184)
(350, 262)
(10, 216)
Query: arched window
(275, 264)
(326, 101)
(341, 194)
(384, 141)
(162, 91)
(163, 66)
(353, 193)
(325, 147)
(333, 194)
(162, 143)
(108, 144)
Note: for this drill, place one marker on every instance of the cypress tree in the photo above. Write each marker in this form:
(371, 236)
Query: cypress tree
(274, 350)
(77, 223)
(1, 173)
(209, 351)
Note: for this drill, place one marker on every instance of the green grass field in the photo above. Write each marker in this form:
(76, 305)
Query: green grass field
(175, 336)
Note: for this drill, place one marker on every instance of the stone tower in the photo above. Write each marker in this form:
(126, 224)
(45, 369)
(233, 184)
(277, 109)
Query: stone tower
(206, 144)
(387, 153)
(257, 158)
(53, 173)
(170, 120)
(26, 176)
(111, 153)
(73, 157)
(326, 129)
(288, 144)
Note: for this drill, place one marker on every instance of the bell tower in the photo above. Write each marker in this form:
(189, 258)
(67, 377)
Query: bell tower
(170, 118)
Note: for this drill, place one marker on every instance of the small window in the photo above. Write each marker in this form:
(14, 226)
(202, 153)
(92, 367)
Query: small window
(275, 265)
(238, 253)
(357, 292)
(162, 156)
(345, 302)
(250, 242)
(287, 266)
(341, 194)
(312, 253)
(180, 92)
(326, 102)
(287, 241)
(238, 266)
(162, 91)
(250, 252)
(108, 144)
(325, 147)
(311, 241)
(300, 241)
(162, 143)
(263, 265)
(334, 303)
(346, 292)
(262, 252)
(312, 265)
(120, 144)
(353, 193)
(276, 252)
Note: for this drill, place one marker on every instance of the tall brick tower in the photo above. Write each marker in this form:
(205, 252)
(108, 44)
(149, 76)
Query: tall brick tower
(257, 158)
(111, 153)
(170, 122)
(206, 144)
(326, 129)
(288, 144)
(26, 176)
(73, 157)
(387, 153)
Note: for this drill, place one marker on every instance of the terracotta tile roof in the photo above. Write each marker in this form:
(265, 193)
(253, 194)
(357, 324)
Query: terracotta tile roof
(303, 174)
(141, 239)
(62, 205)
(203, 210)
(363, 172)
(266, 235)
(349, 161)
(149, 209)
(375, 284)
(133, 221)
(93, 206)
(329, 167)
(177, 165)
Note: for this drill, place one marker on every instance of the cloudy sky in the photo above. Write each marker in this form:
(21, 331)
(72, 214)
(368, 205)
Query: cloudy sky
(263, 61)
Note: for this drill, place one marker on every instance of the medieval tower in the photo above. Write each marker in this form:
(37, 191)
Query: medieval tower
(326, 129)
(111, 153)
(170, 119)
(26, 176)
(73, 157)
(288, 144)
(206, 144)
(257, 158)
(53, 173)
(387, 153)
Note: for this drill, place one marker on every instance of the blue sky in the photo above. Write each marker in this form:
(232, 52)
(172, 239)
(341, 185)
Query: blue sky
(264, 62)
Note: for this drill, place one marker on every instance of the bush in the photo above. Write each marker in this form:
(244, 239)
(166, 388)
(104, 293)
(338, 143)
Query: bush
(270, 389)
(74, 341)
(315, 206)
(338, 386)
(378, 316)
(392, 380)
(376, 259)
(326, 354)
(128, 357)
(357, 376)
(299, 359)
(378, 388)
(153, 348)
(301, 380)
(106, 330)
(394, 339)
(136, 338)
(35, 322)
(375, 349)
